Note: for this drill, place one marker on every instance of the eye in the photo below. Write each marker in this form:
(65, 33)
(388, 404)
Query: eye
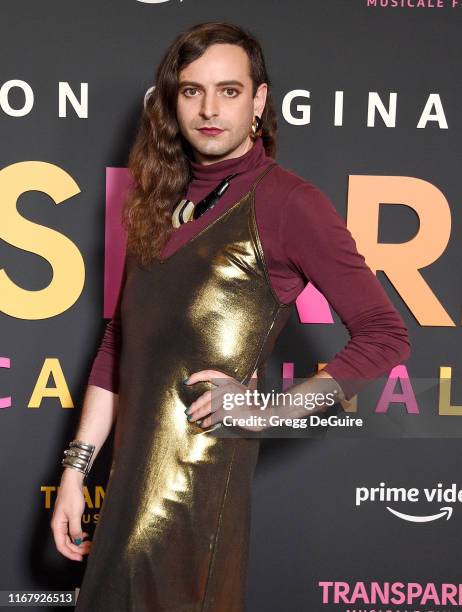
(232, 89)
(189, 89)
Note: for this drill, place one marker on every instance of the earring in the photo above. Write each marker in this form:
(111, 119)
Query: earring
(256, 127)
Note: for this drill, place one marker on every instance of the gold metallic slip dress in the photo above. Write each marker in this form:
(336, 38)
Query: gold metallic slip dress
(174, 527)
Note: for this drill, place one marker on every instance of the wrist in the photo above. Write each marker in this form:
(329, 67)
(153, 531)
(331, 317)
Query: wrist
(72, 475)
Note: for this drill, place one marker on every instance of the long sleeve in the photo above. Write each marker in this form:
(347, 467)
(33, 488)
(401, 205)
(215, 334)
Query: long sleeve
(318, 243)
(105, 368)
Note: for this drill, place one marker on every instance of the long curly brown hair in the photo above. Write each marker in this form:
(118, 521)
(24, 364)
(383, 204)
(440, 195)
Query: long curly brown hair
(159, 158)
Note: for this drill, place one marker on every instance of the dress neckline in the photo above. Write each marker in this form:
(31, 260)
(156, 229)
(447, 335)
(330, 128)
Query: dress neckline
(249, 194)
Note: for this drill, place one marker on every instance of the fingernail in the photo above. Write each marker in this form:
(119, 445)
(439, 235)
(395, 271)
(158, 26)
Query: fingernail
(185, 380)
(187, 409)
(78, 541)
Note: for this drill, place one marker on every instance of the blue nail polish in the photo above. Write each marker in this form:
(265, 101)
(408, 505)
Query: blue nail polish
(78, 541)
(185, 380)
(189, 416)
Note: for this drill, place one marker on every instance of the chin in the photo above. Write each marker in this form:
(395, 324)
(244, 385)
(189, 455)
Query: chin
(212, 148)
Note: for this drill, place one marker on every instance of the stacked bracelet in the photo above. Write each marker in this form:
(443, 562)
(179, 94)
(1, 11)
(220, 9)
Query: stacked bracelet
(78, 456)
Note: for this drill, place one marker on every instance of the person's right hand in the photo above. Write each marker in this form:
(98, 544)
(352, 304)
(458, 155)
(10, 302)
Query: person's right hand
(67, 515)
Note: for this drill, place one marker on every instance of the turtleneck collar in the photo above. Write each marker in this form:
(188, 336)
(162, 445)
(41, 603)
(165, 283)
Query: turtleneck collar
(218, 170)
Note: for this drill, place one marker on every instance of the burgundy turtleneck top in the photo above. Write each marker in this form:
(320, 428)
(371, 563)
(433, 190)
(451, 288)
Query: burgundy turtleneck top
(304, 239)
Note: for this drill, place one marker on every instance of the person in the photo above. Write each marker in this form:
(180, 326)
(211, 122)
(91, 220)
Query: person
(201, 305)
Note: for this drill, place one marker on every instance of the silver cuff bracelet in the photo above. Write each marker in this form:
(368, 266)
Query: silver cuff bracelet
(78, 456)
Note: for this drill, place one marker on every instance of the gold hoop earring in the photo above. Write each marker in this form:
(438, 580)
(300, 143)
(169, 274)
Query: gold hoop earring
(256, 127)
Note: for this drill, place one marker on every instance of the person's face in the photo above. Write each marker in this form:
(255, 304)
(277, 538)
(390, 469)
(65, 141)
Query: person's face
(216, 91)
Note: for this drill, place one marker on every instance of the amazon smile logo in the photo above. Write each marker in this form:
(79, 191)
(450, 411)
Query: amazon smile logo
(393, 497)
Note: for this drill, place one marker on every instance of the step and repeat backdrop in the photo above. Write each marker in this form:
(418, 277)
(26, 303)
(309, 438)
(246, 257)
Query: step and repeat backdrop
(368, 95)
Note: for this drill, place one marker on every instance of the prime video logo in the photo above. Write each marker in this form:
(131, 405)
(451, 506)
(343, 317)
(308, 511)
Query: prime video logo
(437, 495)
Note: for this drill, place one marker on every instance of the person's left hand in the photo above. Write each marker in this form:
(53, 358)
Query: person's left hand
(210, 404)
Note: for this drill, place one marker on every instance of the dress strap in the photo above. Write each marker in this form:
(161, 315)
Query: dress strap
(263, 174)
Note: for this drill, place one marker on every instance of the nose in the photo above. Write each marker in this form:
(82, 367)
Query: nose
(209, 106)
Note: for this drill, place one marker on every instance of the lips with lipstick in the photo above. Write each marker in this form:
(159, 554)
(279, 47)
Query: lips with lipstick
(210, 131)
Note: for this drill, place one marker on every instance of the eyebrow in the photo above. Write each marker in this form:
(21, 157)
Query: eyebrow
(220, 83)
